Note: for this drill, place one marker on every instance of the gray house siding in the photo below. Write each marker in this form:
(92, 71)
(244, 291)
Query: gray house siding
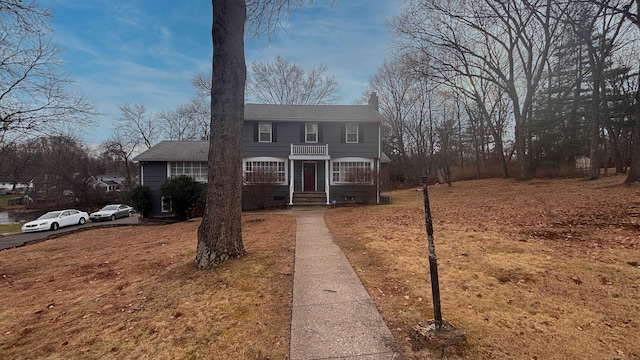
(285, 134)
(331, 133)
(155, 174)
(277, 196)
(287, 128)
(366, 147)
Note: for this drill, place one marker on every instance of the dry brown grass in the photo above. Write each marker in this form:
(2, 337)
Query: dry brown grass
(529, 270)
(133, 293)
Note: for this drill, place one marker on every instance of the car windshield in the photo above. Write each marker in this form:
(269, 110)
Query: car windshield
(110, 207)
(50, 215)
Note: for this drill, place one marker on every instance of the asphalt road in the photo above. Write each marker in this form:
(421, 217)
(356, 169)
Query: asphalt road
(12, 241)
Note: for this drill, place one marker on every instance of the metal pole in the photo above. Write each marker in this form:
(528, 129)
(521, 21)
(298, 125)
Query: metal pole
(433, 263)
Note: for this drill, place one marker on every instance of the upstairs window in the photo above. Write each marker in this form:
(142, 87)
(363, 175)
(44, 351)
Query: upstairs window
(352, 133)
(311, 132)
(264, 132)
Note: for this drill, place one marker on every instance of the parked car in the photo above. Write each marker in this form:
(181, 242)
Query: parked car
(54, 220)
(111, 212)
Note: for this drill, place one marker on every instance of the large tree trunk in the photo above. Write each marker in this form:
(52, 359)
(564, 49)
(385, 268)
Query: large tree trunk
(521, 151)
(594, 126)
(220, 233)
(634, 170)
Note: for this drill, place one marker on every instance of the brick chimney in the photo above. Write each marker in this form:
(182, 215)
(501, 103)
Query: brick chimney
(373, 100)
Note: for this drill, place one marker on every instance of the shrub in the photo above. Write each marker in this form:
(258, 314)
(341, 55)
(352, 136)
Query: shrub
(140, 198)
(183, 192)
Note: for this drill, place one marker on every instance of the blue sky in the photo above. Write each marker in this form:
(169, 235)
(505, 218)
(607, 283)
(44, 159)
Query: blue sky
(146, 51)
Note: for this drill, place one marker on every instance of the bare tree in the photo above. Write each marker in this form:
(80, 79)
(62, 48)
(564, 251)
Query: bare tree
(121, 147)
(394, 84)
(138, 126)
(281, 82)
(220, 232)
(65, 170)
(35, 92)
(189, 122)
(630, 9)
(506, 42)
(18, 161)
(600, 29)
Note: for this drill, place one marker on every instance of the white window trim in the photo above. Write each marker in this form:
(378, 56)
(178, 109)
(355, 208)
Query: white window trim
(162, 205)
(346, 133)
(203, 179)
(260, 132)
(351, 159)
(307, 133)
(266, 159)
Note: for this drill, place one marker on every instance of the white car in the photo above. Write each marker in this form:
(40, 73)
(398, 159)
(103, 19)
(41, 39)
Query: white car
(111, 212)
(54, 220)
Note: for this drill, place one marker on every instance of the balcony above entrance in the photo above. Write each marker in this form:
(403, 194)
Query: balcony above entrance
(309, 152)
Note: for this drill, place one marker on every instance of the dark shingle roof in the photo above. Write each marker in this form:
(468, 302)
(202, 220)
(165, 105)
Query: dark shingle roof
(320, 113)
(176, 151)
(198, 150)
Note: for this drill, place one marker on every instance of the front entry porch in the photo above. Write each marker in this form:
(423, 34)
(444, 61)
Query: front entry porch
(309, 179)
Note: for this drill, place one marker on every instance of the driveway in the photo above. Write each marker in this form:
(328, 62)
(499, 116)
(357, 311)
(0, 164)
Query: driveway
(11, 241)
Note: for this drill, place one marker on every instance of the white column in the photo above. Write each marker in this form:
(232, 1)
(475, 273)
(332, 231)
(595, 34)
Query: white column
(377, 180)
(291, 175)
(327, 172)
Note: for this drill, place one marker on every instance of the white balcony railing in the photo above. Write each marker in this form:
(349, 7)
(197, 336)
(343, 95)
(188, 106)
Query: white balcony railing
(310, 150)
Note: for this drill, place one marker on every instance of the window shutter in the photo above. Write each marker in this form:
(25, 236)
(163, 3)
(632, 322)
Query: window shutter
(274, 132)
(302, 139)
(343, 134)
(319, 133)
(255, 131)
(360, 133)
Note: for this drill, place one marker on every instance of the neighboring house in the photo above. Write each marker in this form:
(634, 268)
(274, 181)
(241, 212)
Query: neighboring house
(583, 163)
(110, 182)
(108, 185)
(9, 187)
(303, 153)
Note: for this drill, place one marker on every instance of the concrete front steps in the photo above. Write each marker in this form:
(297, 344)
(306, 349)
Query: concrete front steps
(309, 198)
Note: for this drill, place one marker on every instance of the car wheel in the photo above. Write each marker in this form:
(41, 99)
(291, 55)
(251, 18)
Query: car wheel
(113, 217)
(55, 226)
(82, 221)
(129, 214)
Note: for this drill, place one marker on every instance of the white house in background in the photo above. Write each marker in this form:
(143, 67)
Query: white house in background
(109, 182)
(583, 163)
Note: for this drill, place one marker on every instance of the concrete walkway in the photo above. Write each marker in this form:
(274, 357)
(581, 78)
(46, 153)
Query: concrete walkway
(333, 315)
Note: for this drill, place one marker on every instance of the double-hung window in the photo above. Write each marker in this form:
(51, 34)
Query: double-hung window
(197, 170)
(351, 133)
(166, 205)
(352, 171)
(311, 132)
(265, 170)
(264, 132)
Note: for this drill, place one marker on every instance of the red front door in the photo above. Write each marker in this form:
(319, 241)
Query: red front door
(309, 176)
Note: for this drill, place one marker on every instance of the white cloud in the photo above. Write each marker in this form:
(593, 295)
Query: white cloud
(147, 50)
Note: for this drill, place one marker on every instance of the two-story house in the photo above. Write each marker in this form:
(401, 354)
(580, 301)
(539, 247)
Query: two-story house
(292, 154)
